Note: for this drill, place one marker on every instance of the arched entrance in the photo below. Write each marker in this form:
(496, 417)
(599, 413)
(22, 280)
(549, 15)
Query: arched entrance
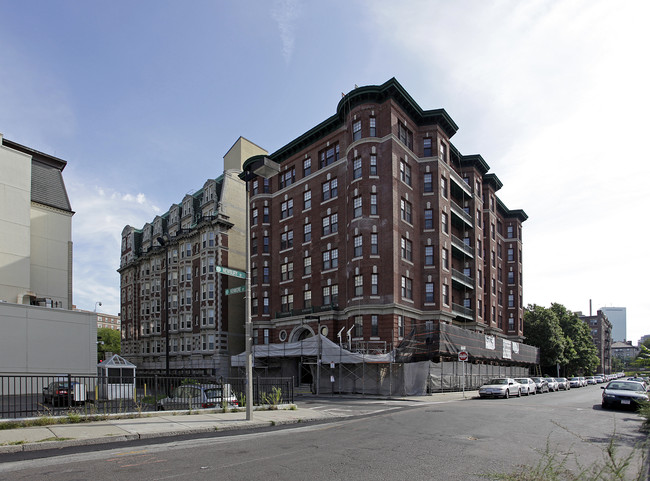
(305, 376)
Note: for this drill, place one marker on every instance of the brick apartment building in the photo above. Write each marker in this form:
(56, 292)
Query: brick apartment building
(601, 333)
(377, 224)
(168, 277)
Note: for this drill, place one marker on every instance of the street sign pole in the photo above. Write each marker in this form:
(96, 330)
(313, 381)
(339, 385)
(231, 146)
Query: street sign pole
(462, 357)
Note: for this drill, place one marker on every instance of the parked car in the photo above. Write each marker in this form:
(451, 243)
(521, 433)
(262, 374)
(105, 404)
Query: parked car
(196, 396)
(599, 379)
(623, 394)
(638, 379)
(563, 383)
(528, 386)
(591, 380)
(541, 383)
(575, 382)
(500, 387)
(583, 380)
(62, 393)
(552, 384)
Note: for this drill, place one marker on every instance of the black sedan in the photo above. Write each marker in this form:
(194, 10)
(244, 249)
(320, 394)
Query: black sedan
(624, 394)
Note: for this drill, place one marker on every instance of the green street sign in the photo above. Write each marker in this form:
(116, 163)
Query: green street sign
(231, 272)
(236, 290)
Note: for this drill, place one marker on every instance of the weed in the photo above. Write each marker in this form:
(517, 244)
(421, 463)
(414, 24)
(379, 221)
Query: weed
(273, 398)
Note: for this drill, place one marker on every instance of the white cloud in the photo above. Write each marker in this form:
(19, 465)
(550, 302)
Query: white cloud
(285, 13)
(101, 214)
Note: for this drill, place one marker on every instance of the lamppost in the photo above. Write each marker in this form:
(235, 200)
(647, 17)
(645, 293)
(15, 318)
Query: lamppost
(264, 167)
(98, 303)
(319, 358)
(164, 244)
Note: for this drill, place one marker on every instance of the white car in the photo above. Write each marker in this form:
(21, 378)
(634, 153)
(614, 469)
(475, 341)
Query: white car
(500, 387)
(197, 396)
(528, 386)
(575, 382)
(552, 384)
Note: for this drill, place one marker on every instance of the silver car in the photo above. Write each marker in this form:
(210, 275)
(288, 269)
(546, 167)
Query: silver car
(197, 396)
(552, 384)
(563, 383)
(500, 387)
(528, 386)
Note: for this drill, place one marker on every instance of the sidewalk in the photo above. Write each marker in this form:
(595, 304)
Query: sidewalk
(163, 424)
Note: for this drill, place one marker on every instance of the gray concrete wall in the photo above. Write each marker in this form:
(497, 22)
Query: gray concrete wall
(40, 340)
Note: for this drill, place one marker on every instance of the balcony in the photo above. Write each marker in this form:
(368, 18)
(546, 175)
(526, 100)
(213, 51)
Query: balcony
(463, 216)
(462, 279)
(462, 311)
(460, 247)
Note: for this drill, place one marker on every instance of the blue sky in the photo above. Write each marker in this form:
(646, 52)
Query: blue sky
(144, 98)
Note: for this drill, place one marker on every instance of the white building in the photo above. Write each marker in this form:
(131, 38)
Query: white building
(618, 317)
(39, 333)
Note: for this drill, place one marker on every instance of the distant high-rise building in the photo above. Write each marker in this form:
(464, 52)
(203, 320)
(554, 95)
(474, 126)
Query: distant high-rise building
(617, 316)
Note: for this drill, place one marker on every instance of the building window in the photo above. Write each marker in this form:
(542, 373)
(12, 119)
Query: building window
(443, 152)
(329, 156)
(356, 130)
(400, 326)
(445, 294)
(427, 151)
(210, 291)
(374, 284)
(358, 326)
(374, 244)
(330, 294)
(443, 186)
(373, 127)
(288, 177)
(407, 288)
(406, 211)
(286, 302)
(266, 244)
(373, 164)
(358, 246)
(428, 255)
(445, 258)
(254, 214)
(307, 265)
(306, 167)
(445, 224)
(405, 135)
(287, 209)
(428, 218)
(428, 182)
(256, 189)
(407, 249)
(428, 292)
(356, 165)
(307, 232)
(306, 198)
(510, 232)
(511, 324)
(511, 277)
(357, 207)
(266, 336)
(330, 224)
(511, 254)
(265, 215)
(265, 304)
(265, 274)
(358, 286)
(286, 240)
(374, 326)
(286, 271)
(306, 298)
(373, 204)
(330, 189)
(330, 259)
(405, 172)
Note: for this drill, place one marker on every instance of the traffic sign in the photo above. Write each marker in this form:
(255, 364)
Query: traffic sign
(235, 290)
(462, 356)
(230, 272)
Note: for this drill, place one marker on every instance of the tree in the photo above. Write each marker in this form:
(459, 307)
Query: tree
(108, 340)
(543, 330)
(581, 354)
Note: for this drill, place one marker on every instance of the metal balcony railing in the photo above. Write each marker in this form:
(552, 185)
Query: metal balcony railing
(462, 311)
(458, 276)
(461, 214)
(462, 246)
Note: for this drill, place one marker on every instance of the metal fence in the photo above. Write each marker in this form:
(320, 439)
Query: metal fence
(24, 396)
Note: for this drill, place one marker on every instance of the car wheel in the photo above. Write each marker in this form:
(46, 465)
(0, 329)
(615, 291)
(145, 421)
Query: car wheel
(507, 394)
(518, 392)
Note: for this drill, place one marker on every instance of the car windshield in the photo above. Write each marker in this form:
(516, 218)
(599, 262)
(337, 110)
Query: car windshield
(498, 381)
(213, 393)
(575, 378)
(626, 386)
(522, 381)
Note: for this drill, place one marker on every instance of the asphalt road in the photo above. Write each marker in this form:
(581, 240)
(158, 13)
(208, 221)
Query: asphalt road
(386, 440)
